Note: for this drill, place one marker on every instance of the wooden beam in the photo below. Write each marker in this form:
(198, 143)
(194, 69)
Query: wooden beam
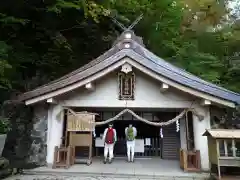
(164, 87)
(51, 101)
(89, 86)
(206, 102)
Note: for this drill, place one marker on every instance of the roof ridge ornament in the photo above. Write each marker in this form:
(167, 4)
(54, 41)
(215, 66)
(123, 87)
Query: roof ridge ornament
(127, 38)
(124, 28)
(139, 18)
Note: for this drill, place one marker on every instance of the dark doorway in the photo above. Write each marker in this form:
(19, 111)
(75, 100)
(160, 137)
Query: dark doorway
(143, 131)
(166, 147)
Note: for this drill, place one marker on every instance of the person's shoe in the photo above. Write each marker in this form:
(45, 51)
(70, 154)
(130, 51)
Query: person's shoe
(110, 161)
(105, 161)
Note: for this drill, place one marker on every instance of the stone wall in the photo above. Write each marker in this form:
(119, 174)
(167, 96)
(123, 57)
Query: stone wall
(18, 141)
(25, 145)
(38, 150)
(225, 118)
(217, 114)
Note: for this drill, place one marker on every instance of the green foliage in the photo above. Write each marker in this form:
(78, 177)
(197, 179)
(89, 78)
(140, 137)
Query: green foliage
(5, 125)
(202, 14)
(5, 19)
(43, 40)
(90, 8)
(4, 65)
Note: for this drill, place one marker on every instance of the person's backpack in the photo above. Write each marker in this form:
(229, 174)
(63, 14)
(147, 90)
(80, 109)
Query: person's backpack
(130, 134)
(109, 136)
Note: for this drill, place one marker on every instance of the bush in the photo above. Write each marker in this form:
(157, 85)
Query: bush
(5, 125)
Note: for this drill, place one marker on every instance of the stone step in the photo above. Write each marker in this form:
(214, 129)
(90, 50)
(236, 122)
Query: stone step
(45, 175)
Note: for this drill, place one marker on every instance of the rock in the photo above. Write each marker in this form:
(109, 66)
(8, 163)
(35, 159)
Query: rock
(5, 169)
(4, 163)
(26, 143)
(5, 173)
(18, 141)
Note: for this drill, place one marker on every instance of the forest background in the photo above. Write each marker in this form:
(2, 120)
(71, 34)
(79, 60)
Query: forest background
(41, 40)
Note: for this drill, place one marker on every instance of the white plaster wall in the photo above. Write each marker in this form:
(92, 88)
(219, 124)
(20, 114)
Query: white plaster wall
(201, 142)
(55, 132)
(147, 94)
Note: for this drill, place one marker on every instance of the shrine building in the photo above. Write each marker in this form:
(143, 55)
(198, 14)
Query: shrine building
(170, 107)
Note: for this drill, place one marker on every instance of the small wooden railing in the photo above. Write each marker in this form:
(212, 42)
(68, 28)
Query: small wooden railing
(63, 157)
(190, 160)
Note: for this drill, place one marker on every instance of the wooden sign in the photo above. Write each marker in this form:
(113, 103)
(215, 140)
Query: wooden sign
(80, 139)
(81, 122)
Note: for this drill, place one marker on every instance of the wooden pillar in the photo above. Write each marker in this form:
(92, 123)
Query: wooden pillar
(218, 165)
(183, 137)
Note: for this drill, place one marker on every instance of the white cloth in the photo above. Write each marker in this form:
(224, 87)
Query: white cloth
(130, 150)
(161, 133)
(177, 126)
(131, 144)
(94, 132)
(108, 150)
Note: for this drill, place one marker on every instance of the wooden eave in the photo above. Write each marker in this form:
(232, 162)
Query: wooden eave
(223, 133)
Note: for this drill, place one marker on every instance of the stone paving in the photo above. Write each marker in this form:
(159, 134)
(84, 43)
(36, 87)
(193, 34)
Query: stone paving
(140, 168)
(146, 169)
(60, 177)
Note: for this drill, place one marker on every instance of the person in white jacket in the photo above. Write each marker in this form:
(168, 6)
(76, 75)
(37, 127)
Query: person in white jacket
(109, 138)
(131, 133)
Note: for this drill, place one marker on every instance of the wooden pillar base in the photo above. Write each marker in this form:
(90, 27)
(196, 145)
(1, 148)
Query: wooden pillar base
(190, 160)
(63, 157)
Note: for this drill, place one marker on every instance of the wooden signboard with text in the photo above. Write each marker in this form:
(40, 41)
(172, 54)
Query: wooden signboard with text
(83, 122)
(79, 127)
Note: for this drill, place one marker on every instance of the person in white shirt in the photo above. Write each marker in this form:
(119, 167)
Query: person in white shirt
(131, 133)
(109, 138)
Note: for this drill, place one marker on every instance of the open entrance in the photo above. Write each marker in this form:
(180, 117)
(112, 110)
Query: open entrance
(145, 132)
(153, 141)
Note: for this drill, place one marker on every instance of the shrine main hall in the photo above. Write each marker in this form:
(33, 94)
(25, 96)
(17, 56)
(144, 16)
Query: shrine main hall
(170, 107)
